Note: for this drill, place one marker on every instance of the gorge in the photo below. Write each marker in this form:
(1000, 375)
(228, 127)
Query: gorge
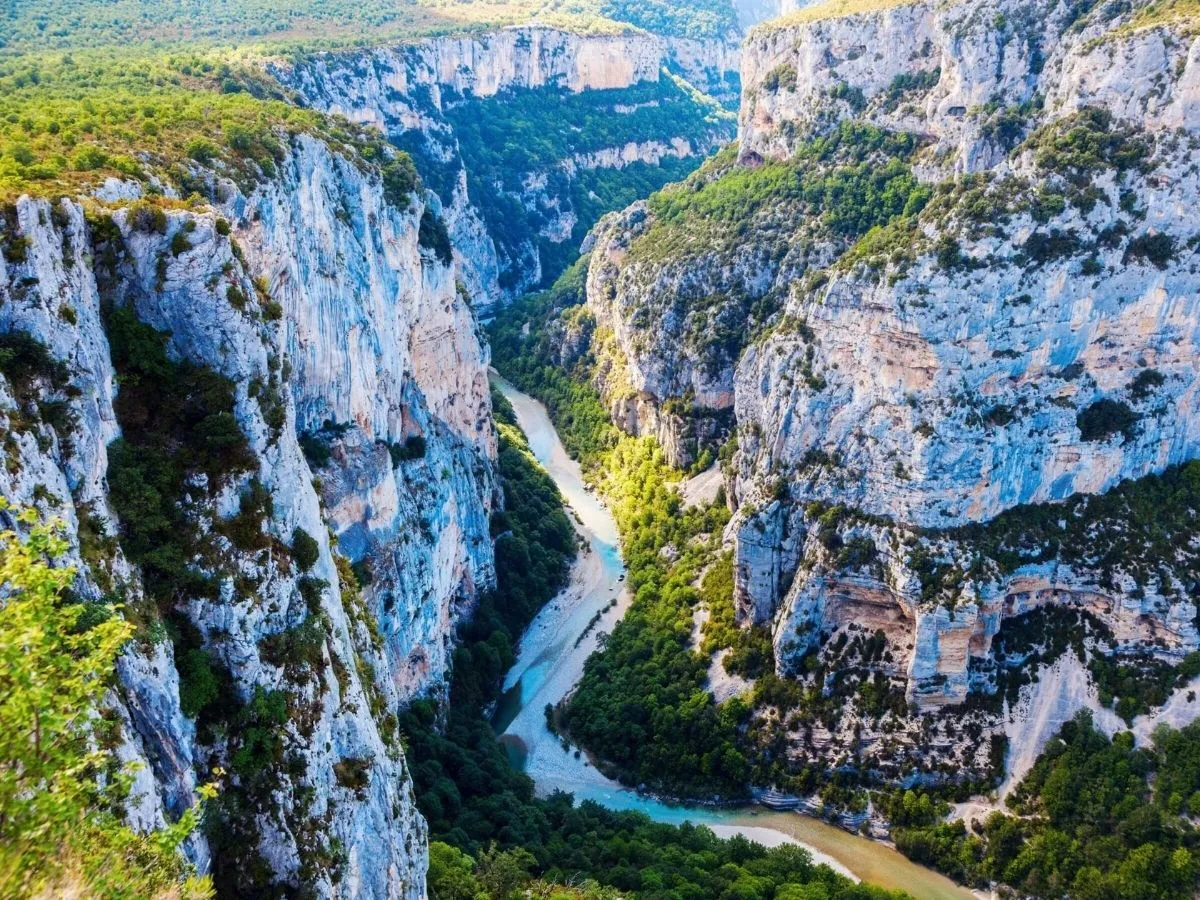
(870, 331)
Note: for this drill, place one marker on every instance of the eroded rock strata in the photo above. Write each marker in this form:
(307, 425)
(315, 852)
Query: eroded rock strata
(943, 301)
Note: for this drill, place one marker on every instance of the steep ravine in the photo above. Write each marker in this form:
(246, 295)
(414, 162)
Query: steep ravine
(310, 300)
(919, 319)
(519, 192)
(551, 659)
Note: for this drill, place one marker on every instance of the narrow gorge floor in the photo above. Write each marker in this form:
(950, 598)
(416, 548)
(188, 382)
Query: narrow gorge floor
(551, 660)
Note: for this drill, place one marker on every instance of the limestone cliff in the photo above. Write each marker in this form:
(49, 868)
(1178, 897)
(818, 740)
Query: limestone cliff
(947, 280)
(311, 297)
(514, 203)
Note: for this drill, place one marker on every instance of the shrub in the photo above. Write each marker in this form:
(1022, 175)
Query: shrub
(1043, 247)
(1157, 249)
(433, 236)
(88, 158)
(223, 227)
(315, 448)
(16, 249)
(782, 76)
(199, 686)
(305, 549)
(1104, 418)
(147, 218)
(180, 243)
(202, 150)
(245, 529)
(1145, 383)
(236, 297)
(412, 448)
(400, 180)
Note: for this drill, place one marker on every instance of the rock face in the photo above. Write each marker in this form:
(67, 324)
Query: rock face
(312, 295)
(1023, 330)
(411, 92)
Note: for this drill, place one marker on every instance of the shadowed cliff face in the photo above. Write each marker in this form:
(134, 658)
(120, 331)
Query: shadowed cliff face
(309, 303)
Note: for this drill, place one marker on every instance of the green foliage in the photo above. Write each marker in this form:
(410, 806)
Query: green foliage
(177, 422)
(700, 19)
(505, 138)
(1157, 248)
(851, 193)
(71, 121)
(305, 549)
(909, 83)
(200, 686)
(59, 24)
(527, 358)
(58, 832)
(412, 448)
(477, 803)
(433, 235)
(260, 724)
(400, 180)
(782, 77)
(28, 366)
(1140, 527)
(1105, 418)
(642, 703)
(1078, 145)
(1095, 818)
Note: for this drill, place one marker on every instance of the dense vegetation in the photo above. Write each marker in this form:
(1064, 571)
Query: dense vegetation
(1095, 818)
(58, 24)
(506, 140)
(73, 120)
(1142, 528)
(490, 832)
(643, 704)
(60, 781)
(527, 359)
(846, 182)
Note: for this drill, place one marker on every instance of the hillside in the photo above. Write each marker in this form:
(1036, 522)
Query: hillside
(57, 25)
(935, 314)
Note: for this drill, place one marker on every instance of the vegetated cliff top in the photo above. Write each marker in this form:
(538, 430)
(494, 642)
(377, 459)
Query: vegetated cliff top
(70, 122)
(1181, 14)
(832, 9)
(74, 24)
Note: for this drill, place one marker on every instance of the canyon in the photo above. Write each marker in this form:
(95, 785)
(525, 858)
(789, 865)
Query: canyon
(900, 397)
(911, 287)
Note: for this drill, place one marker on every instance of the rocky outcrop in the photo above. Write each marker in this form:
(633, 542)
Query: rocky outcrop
(1019, 329)
(951, 71)
(410, 91)
(313, 296)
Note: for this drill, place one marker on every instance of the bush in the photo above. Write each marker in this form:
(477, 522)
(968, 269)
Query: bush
(199, 686)
(433, 236)
(400, 180)
(1104, 418)
(88, 158)
(412, 448)
(305, 549)
(1157, 249)
(1145, 383)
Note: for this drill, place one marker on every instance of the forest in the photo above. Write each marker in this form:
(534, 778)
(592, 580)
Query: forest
(310, 25)
(1097, 817)
(490, 832)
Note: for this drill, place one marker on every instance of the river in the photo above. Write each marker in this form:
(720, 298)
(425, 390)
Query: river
(550, 662)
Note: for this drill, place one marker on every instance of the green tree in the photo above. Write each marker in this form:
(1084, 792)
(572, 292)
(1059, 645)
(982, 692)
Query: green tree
(56, 827)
